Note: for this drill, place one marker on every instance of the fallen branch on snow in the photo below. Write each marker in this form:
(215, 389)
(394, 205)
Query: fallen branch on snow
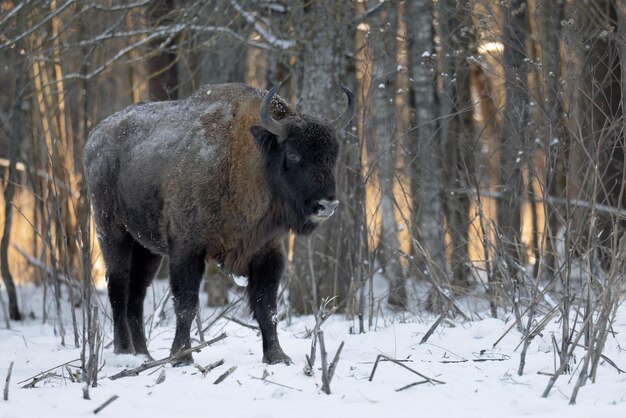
(46, 373)
(393, 360)
(151, 364)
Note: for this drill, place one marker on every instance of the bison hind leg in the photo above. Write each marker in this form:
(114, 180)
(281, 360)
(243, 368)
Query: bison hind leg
(116, 245)
(144, 266)
(186, 269)
(265, 271)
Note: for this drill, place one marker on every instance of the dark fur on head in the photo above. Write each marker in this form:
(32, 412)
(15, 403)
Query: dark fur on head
(300, 169)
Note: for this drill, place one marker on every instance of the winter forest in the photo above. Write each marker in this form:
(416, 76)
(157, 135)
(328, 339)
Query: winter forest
(480, 242)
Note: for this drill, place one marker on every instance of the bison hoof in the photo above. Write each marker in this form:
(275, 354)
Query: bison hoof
(183, 361)
(147, 357)
(276, 356)
(123, 349)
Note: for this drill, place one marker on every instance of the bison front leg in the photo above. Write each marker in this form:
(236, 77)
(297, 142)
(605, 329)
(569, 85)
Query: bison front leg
(185, 277)
(265, 271)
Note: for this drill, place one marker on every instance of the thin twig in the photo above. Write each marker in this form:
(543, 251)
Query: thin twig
(225, 375)
(410, 385)
(333, 365)
(393, 360)
(224, 311)
(39, 379)
(199, 326)
(104, 405)
(6, 383)
(321, 316)
(207, 369)
(325, 378)
(68, 363)
(276, 383)
(434, 326)
(243, 324)
(60, 277)
(151, 364)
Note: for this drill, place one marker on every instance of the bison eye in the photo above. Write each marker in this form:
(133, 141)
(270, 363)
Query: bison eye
(293, 157)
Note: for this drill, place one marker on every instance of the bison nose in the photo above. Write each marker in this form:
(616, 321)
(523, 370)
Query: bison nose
(326, 207)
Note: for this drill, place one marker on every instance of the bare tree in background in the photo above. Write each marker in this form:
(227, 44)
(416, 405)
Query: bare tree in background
(551, 16)
(423, 146)
(327, 263)
(164, 80)
(457, 39)
(9, 192)
(514, 143)
(383, 141)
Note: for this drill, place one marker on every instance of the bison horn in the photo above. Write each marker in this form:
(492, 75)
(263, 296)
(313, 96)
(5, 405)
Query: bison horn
(345, 118)
(267, 120)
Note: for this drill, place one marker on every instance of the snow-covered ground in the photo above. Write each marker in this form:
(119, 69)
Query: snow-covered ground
(471, 389)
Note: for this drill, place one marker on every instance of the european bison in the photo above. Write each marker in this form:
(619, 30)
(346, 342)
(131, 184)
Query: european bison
(221, 175)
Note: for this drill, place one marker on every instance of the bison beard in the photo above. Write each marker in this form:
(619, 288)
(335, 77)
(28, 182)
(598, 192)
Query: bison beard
(221, 175)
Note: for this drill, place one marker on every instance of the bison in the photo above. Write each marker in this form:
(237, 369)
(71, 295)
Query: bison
(222, 175)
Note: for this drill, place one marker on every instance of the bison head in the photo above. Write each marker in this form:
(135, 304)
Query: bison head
(300, 153)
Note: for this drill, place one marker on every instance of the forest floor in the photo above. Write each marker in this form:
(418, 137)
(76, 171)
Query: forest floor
(480, 380)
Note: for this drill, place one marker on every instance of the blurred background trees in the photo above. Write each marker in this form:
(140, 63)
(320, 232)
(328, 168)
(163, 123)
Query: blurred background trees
(486, 166)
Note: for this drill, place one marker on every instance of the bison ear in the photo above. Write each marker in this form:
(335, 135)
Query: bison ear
(268, 142)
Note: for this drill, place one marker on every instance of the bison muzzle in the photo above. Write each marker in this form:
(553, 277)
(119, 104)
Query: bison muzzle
(223, 175)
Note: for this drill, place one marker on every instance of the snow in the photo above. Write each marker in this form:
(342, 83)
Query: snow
(241, 281)
(472, 388)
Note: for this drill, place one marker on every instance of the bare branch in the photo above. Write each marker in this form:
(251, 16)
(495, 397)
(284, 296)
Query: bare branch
(265, 34)
(39, 24)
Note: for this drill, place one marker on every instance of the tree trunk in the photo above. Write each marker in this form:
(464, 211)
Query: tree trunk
(163, 71)
(326, 264)
(424, 162)
(551, 15)
(605, 90)
(459, 138)
(9, 191)
(382, 144)
(514, 151)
